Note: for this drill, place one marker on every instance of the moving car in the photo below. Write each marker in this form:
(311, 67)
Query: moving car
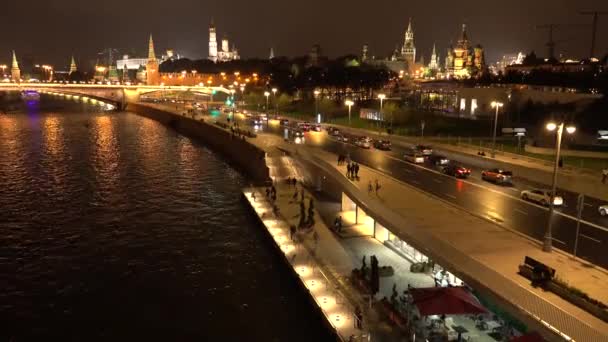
(342, 138)
(457, 171)
(383, 145)
(316, 128)
(542, 197)
(284, 122)
(425, 150)
(413, 156)
(497, 176)
(438, 160)
(363, 143)
(603, 209)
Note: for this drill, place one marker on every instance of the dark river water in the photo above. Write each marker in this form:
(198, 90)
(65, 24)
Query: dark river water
(114, 227)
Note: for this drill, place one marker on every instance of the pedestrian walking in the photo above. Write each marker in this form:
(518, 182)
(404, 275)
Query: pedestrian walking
(274, 197)
(370, 188)
(348, 169)
(604, 175)
(273, 191)
(292, 232)
(253, 195)
(359, 317)
(339, 159)
(377, 187)
(295, 181)
(356, 170)
(267, 192)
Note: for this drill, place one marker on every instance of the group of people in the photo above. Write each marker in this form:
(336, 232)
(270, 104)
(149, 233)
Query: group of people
(370, 188)
(352, 170)
(341, 159)
(291, 181)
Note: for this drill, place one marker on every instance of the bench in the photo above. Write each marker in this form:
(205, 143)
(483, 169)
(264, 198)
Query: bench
(536, 270)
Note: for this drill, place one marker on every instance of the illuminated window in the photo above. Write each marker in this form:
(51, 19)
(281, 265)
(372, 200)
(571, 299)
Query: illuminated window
(473, 106)
(463, 104)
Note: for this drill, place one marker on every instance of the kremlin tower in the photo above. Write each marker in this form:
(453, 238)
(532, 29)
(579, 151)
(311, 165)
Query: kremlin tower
(152, 72)
(73, 67)
(15, 71)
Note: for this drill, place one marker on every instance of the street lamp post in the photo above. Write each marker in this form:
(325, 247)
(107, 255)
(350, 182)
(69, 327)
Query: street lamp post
(276, 104)
(266, 94)
(317, 93)
(497, 105)
(548, 238)
(381, 97)
(350, 104)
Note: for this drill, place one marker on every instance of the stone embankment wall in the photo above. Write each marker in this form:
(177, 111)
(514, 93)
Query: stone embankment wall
(241, 153)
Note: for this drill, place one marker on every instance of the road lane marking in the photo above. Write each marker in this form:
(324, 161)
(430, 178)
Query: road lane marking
(437, 181)
(589, 205)
(451, 196)
(521, 212)
(590, 238)
(504, 194)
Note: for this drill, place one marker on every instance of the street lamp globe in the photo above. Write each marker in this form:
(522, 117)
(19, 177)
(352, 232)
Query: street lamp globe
(551, 126)
(266, 94)
(381, 96)
(570, 129)
(274, 90)
(349, 103)
(316, 92)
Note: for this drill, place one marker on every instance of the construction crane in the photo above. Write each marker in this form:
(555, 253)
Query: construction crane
(595, 15)
(550, 42)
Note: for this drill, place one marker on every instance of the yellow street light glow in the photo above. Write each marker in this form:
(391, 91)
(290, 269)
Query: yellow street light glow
(570, 129)
(551, 126)
(349, 103)
(266, 94)
(496, 104)
(381, 96)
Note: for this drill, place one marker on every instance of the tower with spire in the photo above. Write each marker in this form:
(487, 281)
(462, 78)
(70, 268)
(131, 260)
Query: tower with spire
(408, 51)
(15, 71)
(212, 42)
(73, 67)
(152, 72)
(434, 64)
(365, 53)
(271, 55)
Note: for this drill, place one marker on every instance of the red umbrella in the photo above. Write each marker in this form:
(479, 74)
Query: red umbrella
(530, 337)
(446, 301)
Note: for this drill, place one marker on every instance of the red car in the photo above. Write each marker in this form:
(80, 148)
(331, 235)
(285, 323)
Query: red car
(456, 171)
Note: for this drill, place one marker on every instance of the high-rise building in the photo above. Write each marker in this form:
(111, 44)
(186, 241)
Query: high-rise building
(408, 51)
(152, 72)
(73, 67)
(225, 54)
(15, 71)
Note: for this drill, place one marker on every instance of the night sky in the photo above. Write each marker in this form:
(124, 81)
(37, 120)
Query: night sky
(49, 31)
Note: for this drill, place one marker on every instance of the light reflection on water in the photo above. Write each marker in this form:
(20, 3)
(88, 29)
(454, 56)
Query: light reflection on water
(114, 227)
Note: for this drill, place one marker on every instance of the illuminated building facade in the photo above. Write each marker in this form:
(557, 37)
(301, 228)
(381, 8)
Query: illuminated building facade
(226, 53)
(408, 50)
(464, 61)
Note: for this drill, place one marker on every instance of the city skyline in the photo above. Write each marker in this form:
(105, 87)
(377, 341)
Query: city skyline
(338, 27)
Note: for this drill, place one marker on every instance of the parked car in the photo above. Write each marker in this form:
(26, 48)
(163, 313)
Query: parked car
(542, 197)
(457, 171)
(497, 175)
(424, 149)
(603, 209)
(363, 143)
(438, 160)
(383, 145)
(413, 156)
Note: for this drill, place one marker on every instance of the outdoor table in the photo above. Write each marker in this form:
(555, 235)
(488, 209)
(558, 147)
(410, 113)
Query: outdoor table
(492, 325)
(460, 330)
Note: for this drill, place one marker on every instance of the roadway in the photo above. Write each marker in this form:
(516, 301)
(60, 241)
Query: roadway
(500, 204)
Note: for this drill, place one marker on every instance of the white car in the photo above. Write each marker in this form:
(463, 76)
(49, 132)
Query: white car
(342, 138)
(363, 143)
(414, 157)
(542, 197)
(603, 209)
